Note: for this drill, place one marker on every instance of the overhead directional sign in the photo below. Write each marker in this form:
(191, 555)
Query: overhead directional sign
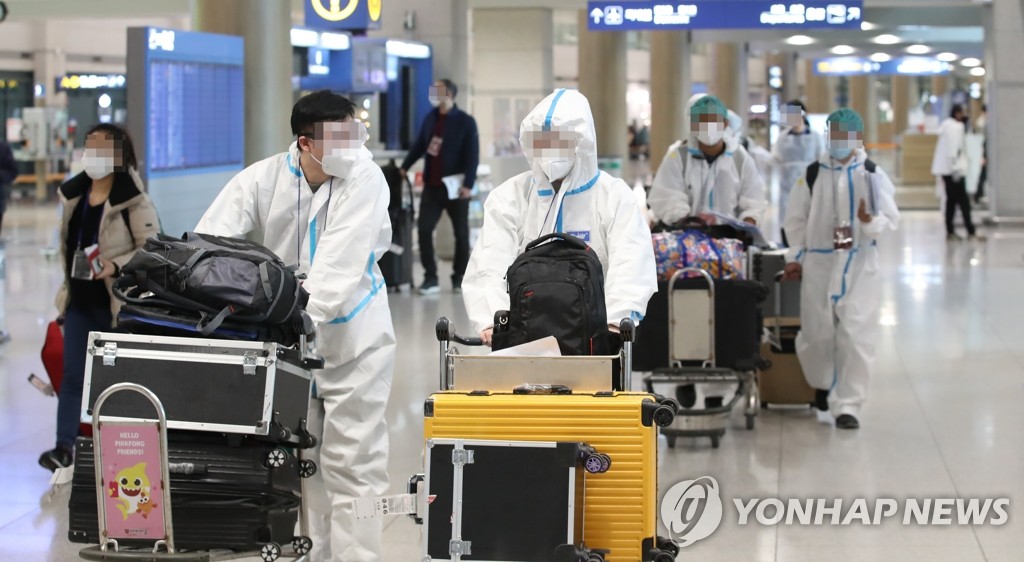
(907, 66)
(724, 14)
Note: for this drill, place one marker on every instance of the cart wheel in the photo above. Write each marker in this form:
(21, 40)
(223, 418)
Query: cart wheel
(593, 463)
(663, 416)
(302, 545)
(668, 546)
(270, 552)
(671, 441)
(307, 468)
(750, 421)
(715, 441)
(606, 462)
(276, 459)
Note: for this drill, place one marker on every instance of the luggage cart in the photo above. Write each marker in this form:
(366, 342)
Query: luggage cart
(163, 549)
(563, 399)
(692, 360)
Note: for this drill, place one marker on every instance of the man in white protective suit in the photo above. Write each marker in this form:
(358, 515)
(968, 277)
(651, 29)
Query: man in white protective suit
(563, 192)
(796, 148)
(837, 212)
(709, 171)
(323, 205)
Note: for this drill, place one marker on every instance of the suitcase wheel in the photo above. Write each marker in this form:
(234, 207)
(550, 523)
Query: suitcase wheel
(671, 441)
(664, 557)
(276, 458)
(270, 552)
(750, 421)
(664, 415)
(597, 463)
(668, 545)
(302, 545)
(307, 468)
(715, 442)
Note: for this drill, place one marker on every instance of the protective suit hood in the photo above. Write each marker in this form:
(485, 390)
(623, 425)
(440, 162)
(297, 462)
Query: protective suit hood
(564, 110)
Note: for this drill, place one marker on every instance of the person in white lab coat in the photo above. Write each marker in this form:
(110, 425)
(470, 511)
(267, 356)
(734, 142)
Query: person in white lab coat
(834, 224)
(710, 171)
(950, 163)
(563, 192)
(796, 147)
(323, 205)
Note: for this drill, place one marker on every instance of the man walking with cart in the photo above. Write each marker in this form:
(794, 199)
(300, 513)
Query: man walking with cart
(836, 214)
(323, 205)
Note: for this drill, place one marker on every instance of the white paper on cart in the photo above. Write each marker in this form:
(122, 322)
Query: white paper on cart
(752, 230)
(544, 347)
(454, 184)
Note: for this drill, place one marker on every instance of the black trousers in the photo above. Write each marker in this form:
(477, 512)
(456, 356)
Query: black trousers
(434, 202)
(981, 183)
(956, 196)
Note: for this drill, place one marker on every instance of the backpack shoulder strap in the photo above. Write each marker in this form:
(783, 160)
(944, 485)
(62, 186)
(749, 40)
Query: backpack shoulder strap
(812, 175)
(684, 153)
(128, 224)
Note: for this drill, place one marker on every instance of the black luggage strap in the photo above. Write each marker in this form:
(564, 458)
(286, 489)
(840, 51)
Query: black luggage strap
(181, 274)
(572, 240)
(207, 325)
(812, 172)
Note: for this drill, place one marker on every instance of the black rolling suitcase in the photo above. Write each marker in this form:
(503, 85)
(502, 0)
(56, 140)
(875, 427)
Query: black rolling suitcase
(396, 265)
(238, 496)
(738, 327)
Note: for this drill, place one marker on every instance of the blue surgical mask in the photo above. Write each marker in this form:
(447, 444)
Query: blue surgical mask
(840, 153)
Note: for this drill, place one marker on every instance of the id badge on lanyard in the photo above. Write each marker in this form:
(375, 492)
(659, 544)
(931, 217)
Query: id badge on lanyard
(842, 230)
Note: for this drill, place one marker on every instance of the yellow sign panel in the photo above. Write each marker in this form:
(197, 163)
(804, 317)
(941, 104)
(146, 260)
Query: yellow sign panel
(334, 11)
(374, 6)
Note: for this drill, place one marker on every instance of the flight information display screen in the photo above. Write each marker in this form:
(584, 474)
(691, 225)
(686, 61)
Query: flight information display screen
(196, 116)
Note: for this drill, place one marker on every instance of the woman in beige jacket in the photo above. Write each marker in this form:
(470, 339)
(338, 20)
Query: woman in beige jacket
(107, 218)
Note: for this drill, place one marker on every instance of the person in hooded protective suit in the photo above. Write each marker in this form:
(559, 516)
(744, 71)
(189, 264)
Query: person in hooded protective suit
(795, 149)
(563, 192)
(323, 205)
(833, 227)
(710, 171)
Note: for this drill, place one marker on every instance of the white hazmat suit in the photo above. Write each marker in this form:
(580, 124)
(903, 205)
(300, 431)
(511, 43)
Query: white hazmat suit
(840, 292)
(730, 185)
(335, 235)
(793, 152)
(591, 205)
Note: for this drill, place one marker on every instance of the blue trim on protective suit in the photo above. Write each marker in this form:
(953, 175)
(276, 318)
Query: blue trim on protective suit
(295, 171)
(551, 110)
(312, 241)
(376, 286)
(636, 316)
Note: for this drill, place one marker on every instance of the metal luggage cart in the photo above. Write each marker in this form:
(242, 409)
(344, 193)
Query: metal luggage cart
(692, 360)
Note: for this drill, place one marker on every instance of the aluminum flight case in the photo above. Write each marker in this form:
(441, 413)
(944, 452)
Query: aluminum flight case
(257, 389)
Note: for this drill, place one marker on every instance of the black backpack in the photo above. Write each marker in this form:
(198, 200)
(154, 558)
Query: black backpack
(213, 279)
(811, 175)
(556, 288)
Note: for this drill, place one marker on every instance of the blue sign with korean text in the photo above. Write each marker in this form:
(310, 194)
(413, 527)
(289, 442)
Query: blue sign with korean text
(906, 66)
(724, 14)
(343, 14)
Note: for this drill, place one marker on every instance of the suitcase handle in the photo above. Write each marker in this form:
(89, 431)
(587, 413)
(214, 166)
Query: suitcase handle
(568, 238)
(413, 488)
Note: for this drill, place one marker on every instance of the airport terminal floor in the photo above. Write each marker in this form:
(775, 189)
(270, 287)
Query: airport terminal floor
(943, 417)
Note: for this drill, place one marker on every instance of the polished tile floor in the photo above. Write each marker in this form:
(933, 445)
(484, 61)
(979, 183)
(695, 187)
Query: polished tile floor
(944, 417)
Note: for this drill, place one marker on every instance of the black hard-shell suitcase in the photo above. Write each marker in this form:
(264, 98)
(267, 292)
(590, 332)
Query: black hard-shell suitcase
(396, 266)
(738, 325)
(223, 496)
(764, 266)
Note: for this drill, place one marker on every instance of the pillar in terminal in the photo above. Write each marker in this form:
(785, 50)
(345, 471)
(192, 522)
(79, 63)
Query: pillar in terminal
(671, 84)
(602, 79)
(729, 75)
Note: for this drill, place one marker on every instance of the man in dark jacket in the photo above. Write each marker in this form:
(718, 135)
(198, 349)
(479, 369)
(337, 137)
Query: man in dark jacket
(8, 171)
(448, 139)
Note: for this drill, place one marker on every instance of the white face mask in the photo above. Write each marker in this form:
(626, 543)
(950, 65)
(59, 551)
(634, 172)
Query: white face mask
(339, 164)
(435, 101)
(96, 166)
(555, 168)
(711, 133)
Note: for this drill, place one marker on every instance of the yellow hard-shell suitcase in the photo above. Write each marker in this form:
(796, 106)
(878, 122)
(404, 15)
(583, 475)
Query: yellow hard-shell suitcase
(620, 505)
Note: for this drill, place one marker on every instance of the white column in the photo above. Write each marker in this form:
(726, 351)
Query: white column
(1004, 41)
(49, 61)
(671, 83)
(602, 76)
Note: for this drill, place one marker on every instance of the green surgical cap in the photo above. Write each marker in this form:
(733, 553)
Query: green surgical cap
(708, 105)
(846, 119)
